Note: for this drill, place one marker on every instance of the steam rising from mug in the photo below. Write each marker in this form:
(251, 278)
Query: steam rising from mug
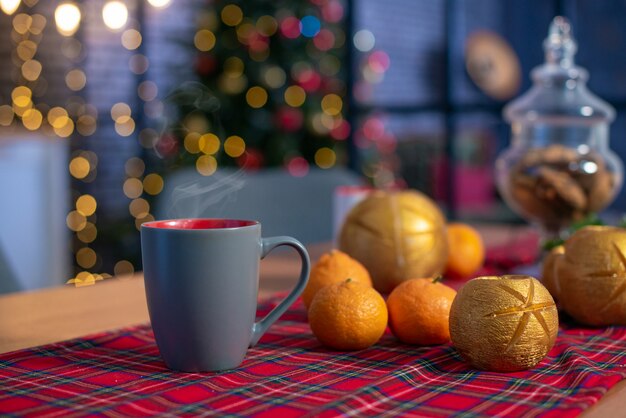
(193, 198)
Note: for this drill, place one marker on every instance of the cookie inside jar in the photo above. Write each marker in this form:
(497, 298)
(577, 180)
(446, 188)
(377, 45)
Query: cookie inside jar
(557, 185)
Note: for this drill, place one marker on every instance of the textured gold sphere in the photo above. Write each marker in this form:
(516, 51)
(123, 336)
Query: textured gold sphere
(504, 324)
(548, 275)
(396, 235)
(591, 276)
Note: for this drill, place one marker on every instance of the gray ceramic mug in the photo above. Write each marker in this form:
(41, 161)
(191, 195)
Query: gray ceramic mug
(201, 278)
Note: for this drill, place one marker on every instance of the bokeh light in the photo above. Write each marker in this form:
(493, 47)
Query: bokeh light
(267, 25)
(86, 205)
(9, 6)
(67, 18)
(153, 184)
(86, 257)
(298, 167)
(88, 234)
(364, 40)
(120, 112)
(6, 115)
(256, 97)
(159, 4)
(147, 90)
(86, 125)
(138, 64)
(134, 167)
(133, 188)
(75, 79)
(332, 104)
(21, 96)
(310, 26)
(234, 146)
(125, 126)
(206, 165)
(31, 119)
(325, 157)
(26, 49)
(79, 167)
(76, 221)
(295, 96)
(115, 14)
(209, 144)
(139, 208)
(131, 39)
(232, 15)
(290, 27)
(204, 40)
(274, 77)
(191, 142)
(123, 267)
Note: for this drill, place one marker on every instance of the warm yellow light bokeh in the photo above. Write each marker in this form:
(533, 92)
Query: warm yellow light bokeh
(206, 165)
(9, 6)
(234, 146)
(325, 157)
(31, 70)
(191, 142)
(233, 67)
(123, 267)
(67, 17)
(115, 14)
(256, 97)
(88, 233)
(26, 50)
(332, 104)
(204, 40)
(21, 96)
(76, 221)
(6, 115)
(139, 208)
(31, 119)
(79, 167)
(86, 205)
(232, 15)
(125, 126)
(209, 143)
(295, 96)
(86, 125)
(131, 39)
(159, 4)
(153, 184)
(134, 167)
(267, 25)
(133, 188)
(120, 111)
(86, 257)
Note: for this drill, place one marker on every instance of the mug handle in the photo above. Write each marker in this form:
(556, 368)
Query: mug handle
(267, 245)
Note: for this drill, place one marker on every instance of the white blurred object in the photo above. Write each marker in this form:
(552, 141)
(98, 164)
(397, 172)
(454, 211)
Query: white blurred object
(33, 205)
(344, 199)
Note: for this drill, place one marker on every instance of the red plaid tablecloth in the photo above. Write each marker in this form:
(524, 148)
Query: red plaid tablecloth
(288, 374)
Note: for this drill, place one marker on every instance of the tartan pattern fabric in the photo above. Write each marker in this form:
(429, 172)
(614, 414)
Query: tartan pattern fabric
(289, 374)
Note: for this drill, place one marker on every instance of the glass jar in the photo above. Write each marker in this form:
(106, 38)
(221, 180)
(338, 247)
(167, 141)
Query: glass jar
(558, 168)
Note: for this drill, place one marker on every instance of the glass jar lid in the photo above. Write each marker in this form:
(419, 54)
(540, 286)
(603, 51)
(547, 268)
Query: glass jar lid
(559, 94)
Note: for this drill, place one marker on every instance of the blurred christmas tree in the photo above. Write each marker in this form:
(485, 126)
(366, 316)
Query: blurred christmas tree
(271, 89)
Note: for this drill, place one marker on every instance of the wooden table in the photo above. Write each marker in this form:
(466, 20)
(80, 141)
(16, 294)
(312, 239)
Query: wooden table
(50, 315)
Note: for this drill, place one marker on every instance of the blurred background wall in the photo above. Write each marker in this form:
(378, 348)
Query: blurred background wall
(98, 112)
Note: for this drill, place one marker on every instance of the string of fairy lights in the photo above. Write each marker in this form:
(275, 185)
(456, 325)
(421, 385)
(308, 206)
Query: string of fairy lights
(285, 92)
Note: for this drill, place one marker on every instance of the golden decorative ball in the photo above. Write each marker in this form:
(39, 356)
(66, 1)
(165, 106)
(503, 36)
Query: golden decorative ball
(503, 324)
(396, 235)
(591, 276)
(548, 275)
